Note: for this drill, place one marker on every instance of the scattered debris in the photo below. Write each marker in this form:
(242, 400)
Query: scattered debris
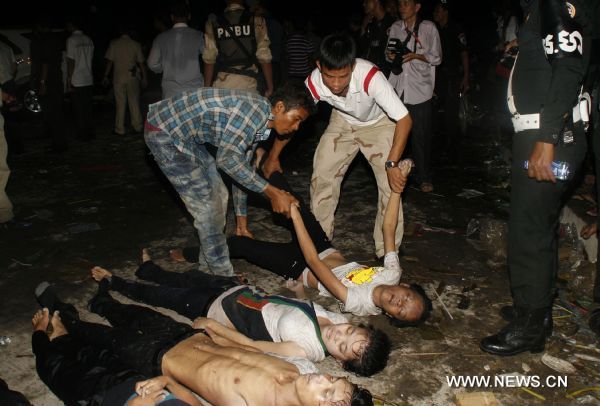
(526, 368)
(470, 193)
(443, 305)
(87, 210)
(576, 393)
(557, 364)
(489, 235)
(5, 340)
(486, 367)
(586, 357)
(476, 399)
(425, 227)
(532, 393)
(77, 228)
(16, 261)
(44, 214)
(464, 303)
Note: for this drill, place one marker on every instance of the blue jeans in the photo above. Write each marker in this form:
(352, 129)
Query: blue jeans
(203, 192)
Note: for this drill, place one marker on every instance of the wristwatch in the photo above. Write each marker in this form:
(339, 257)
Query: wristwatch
(391, 164)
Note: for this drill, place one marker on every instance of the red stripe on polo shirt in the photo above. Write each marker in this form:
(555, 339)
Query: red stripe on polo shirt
(368, 78)
(312, 89)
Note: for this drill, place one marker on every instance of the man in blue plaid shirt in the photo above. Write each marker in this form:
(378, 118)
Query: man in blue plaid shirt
(233, 122)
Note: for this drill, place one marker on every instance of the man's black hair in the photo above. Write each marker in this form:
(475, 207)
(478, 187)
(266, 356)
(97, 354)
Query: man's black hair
(294, 94)
(337, 51)
(375, 355)
(180, 9)
(427, 307)
(360, 396)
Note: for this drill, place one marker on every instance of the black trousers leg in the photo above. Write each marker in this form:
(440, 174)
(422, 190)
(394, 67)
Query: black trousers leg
(151, 272)
(533, 224)
(284, 259)
(189, 302)
(78, 372)
(421, 136)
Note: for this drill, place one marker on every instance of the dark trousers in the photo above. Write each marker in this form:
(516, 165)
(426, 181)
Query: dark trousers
(189, 294)
(138, 335)
(80, 373)
(594, 84)
(284, 259)
(421, 135)
(82, 101)
(533, 223)
(54, 119)
(448, 90)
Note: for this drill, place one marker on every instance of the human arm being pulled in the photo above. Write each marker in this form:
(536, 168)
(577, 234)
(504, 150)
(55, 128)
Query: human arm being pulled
(568, 70)
(316, 265)
(234, 158)
(153, 391)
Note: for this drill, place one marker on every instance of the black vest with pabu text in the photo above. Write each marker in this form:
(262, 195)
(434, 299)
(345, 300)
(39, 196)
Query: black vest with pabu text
(236, 42)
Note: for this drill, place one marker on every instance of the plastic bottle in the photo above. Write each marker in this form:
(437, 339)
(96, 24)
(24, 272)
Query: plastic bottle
(560, 169)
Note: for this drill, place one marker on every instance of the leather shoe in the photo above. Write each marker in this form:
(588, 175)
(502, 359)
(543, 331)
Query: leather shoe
(524, 333)
(508, 314)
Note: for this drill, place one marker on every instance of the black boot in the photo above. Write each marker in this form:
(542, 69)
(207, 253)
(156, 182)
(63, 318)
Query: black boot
(524, 333)
(508, 314)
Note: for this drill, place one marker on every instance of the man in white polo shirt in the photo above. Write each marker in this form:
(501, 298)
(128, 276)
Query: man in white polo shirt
(80, 80)
(367, 116)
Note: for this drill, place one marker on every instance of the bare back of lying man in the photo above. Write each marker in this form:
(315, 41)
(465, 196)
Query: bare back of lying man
(234, 376)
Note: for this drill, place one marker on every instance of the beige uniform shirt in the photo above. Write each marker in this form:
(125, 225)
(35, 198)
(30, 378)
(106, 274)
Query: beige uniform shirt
(263, 53)
(125, 54)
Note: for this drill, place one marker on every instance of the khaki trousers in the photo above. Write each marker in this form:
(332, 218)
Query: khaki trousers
(233, 81)
(6, 208)
(127, 92)
(337, 148)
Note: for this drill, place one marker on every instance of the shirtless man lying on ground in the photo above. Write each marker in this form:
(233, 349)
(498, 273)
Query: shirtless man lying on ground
(202, 360)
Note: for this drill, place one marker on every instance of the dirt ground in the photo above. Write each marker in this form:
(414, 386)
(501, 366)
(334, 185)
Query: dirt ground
(103, 201)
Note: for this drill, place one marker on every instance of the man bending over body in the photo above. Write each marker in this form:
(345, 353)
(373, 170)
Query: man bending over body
(221, 374)
(271, 323)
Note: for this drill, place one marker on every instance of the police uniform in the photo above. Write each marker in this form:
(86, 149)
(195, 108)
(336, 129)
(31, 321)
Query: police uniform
(450, 74)
(236, 42)
(543, 96)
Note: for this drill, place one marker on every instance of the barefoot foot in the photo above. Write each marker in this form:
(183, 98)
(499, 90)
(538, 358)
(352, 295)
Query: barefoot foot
(40, 320)
(177, 255)
(99, 273)
(58, 328)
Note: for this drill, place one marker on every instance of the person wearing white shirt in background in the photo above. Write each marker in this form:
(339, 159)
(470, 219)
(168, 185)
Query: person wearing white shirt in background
(80, 79)
(415, 49)
(176, 54)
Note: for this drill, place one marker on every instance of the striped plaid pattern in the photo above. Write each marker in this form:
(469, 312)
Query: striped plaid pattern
(234, 121)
